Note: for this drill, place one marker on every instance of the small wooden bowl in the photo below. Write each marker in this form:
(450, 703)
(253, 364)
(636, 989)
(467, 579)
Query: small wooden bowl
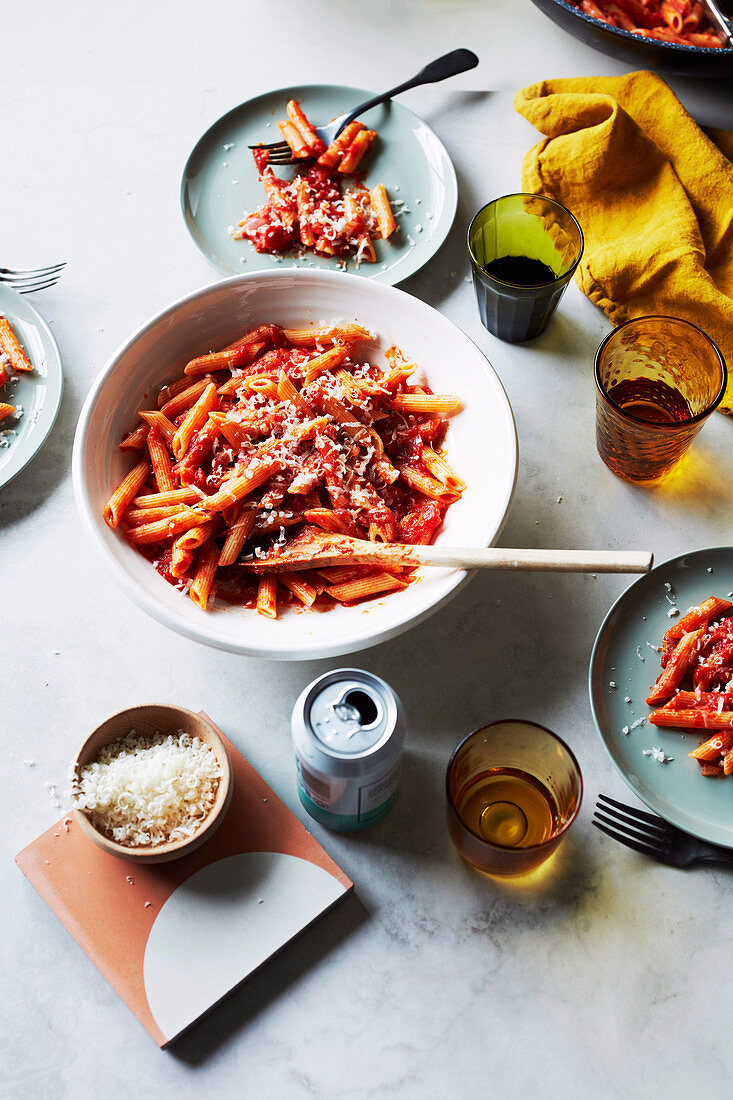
(146, 721)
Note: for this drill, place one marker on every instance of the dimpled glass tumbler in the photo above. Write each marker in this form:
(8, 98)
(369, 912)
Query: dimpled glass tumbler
(523, 251)
(658, 379)
(513, 789)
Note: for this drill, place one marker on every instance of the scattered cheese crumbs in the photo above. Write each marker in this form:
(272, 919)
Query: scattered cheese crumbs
(149, 790)
(228, 145)
(612, 683)
(29, 763)
(148, 904)
(264, 800)
(639, 654)
(658, 755)
(627, 698)
(637, 723)
(656, 648)
(130, 879)
(559, 500)
(260, 900)
(673, 611)
(710, 569)
(67, 822)
(626, 730)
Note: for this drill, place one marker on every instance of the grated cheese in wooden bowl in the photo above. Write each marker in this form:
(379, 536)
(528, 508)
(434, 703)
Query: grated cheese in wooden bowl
(144, 791)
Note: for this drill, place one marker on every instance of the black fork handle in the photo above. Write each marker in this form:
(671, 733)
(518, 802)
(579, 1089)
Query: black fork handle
(450, 64)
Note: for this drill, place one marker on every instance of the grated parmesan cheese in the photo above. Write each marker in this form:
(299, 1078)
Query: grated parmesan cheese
(144, 791)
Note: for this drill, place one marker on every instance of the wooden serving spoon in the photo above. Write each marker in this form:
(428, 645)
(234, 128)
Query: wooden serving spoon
(317, 549)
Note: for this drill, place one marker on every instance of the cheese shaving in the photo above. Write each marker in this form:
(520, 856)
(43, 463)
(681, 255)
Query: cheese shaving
(144, 791)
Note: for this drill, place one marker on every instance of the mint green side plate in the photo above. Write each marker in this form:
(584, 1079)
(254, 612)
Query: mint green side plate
(39, 393)
(220, 184)
(676, 791)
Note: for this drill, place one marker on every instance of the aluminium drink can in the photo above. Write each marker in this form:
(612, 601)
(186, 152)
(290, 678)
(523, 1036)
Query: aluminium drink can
(348, 734)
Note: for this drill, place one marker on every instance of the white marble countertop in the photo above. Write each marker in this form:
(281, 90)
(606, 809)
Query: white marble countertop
(431, 981)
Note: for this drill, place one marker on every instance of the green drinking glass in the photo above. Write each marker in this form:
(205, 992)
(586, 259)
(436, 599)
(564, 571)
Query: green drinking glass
(524, 250)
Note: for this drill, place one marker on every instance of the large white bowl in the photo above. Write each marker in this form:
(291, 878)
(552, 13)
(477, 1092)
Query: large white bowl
(481, 445)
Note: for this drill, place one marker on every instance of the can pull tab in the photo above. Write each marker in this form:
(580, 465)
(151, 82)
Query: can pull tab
(358, 707)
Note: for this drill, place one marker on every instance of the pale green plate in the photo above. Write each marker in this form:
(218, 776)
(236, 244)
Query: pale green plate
(39, 394)
(220, 184)
(676, 791)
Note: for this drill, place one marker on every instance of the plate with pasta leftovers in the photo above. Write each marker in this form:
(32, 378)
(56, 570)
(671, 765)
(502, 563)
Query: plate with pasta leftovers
(31, 383)
(661, 688)
(672, 36)
(270, 408)
(378, 202)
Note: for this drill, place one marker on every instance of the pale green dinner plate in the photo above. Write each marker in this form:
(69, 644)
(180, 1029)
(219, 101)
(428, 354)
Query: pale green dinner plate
(38, 394)
(676, 790)
(220, 182)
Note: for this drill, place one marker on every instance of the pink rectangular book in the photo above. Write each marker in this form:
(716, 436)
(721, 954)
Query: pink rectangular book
(174, 938)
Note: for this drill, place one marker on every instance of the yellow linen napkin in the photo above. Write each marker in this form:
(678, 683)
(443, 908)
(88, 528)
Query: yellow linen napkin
(652, 192)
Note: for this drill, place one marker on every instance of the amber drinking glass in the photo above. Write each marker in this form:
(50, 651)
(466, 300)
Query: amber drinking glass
(513, 789)
(523, 251)
(657, 381)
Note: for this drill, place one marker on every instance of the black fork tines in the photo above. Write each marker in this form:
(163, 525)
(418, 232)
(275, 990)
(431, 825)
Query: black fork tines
(642, 849)
(640, 834)
(630, 811)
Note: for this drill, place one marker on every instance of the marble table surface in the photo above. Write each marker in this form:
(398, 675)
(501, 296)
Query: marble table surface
(605, 976)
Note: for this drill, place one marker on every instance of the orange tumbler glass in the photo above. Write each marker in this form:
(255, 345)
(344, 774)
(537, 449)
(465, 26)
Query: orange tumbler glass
(657, 381)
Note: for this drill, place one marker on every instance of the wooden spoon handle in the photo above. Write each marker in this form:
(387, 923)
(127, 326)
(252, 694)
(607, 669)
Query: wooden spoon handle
(557, 561)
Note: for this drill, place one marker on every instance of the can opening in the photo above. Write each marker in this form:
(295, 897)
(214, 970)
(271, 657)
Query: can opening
(364, 705)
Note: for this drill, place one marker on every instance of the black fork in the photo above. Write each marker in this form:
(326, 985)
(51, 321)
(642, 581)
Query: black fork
(652, 836)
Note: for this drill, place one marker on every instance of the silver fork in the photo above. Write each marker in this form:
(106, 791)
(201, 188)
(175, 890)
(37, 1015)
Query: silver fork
(652, 836)
(451, 64)
(26, 280)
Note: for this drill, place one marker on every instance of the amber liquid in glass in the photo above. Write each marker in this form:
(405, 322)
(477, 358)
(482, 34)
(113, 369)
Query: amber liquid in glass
(508, 807)
(650, 400)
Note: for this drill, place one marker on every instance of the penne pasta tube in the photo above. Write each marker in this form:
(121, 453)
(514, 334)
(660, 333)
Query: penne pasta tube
(194, 419)
(136, 439)
(333, 154)
(441, 470)
(238, 487)
(195, 536)
(6, 410)
(136, 516)
(184, 399)
(180, 561)
(298, 146)
(356, 151)
(266, 597)
(428, 486)
(163, 529)
(350, 591)
(156, 419)
(301, 589)
(10, 345)
(237, 536)
(160, 459)
(203, 578)
(428, 404)
(125, 492)
(326, 361)
(162, 500)
(382, 211)
(171, 390)
(310, 337)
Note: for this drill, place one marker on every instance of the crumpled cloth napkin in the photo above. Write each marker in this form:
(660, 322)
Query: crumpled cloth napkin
(653, 194)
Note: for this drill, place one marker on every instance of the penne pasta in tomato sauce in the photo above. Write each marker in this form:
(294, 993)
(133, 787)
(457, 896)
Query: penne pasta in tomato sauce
(234, 471)
(325, 208)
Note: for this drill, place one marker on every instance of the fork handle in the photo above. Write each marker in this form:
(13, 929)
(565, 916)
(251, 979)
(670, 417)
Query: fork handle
(450, 64)
(711, 853)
